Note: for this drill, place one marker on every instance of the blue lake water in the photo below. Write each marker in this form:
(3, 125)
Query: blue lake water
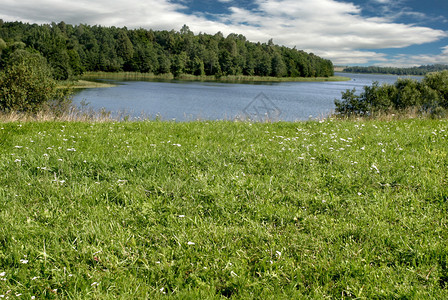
(192, 100)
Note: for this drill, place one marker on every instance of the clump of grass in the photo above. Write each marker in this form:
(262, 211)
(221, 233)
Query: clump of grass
(329, 209)
(70, 114)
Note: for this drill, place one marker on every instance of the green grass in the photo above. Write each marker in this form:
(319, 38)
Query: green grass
(145, 210)
(84, 84)
(228, 78)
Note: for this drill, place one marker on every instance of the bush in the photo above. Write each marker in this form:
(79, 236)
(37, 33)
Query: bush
(27, 85)
(439, 83)
(429, 96)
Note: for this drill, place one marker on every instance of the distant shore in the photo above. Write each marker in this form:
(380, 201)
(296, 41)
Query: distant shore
(229, 78)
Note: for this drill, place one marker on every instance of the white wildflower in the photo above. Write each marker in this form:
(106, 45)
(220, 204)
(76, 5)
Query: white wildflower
(24, 261)
(190, 243)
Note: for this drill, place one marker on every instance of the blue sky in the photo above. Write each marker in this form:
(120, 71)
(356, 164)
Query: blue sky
(357, 32)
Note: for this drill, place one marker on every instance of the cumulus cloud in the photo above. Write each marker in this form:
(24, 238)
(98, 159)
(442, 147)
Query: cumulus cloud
(406, 60)
(337, 30)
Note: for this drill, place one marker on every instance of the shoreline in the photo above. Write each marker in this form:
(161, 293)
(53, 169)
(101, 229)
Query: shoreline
(85, 84)
(187, 77)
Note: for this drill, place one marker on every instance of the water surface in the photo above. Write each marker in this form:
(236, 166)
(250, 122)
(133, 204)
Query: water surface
(191, 100)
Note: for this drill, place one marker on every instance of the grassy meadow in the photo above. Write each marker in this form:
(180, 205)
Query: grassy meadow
(210, 210)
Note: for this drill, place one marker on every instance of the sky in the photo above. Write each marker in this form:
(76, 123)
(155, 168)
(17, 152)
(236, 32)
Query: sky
(398, 33)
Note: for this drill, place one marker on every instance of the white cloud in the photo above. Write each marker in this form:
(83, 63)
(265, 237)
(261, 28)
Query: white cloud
(406, 60)
(352, 57)
(331, 28)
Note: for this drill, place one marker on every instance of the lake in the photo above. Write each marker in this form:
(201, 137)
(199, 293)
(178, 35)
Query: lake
(192, 100)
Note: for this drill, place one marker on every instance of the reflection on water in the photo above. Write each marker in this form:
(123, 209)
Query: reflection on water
(191, 100)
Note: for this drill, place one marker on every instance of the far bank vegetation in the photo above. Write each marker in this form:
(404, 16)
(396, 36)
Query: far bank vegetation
(72, 50)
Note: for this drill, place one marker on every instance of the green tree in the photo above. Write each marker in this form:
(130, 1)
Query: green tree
(3, 45)
(439, 83)
(278, 66)
(125, 49)
(408, 93)
(179, 63)
(27, 84)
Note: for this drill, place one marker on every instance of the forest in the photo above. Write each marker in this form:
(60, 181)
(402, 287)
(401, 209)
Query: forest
(421, 70)
(71, 50)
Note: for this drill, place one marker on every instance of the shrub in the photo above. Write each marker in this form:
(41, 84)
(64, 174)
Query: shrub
(351, 104)
(439, 83)
(429, 96)
(27, 85)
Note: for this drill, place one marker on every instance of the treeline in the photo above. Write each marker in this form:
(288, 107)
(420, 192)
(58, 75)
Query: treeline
(426, 97)
(421, 70)
(72, 50)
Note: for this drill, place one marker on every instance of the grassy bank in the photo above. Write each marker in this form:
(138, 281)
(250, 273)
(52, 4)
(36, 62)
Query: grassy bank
(331, 209)
(84, 84)
(229, 78)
